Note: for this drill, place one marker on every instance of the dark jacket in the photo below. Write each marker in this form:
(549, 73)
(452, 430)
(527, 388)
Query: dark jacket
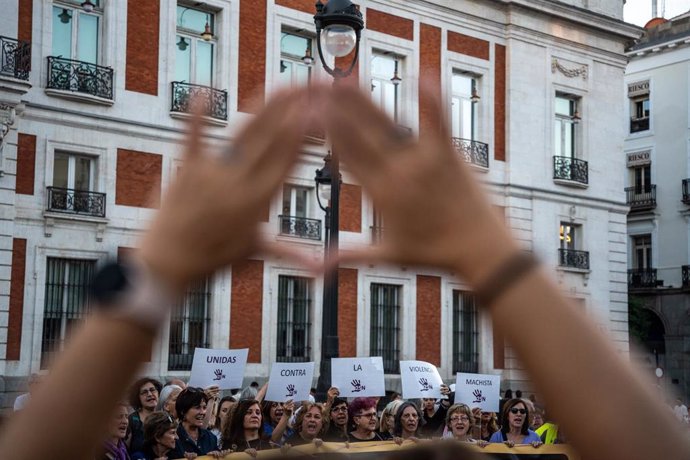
(206, 443)
(136, 427)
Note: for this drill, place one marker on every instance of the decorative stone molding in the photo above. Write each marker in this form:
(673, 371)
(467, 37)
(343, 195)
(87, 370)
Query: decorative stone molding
(570, 72)
(8, 116)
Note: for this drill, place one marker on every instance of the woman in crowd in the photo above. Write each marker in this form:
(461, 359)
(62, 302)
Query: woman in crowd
(167, 398)
(434, 414)
(515, 425)
(363, 421)
(114, 447)
(143, 397)
(244, 430)
(309, 425)
(193, 438)
(337, 421)
(160, 437)
(408, 421)
(225, 406)
(387, 420)
(459, 421)
(272, 412)
(489, 425)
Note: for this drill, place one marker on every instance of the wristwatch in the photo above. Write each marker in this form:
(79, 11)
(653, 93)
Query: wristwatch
(129, 291)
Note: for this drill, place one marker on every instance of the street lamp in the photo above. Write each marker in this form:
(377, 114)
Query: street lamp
(339, 24)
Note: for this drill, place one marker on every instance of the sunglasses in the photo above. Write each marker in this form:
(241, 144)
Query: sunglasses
(518, 411)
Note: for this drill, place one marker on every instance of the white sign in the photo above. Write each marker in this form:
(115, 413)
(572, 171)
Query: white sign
(420, 380)
(478, 390)
(637, 88)
(224, 368)
(639, 158)
(290, 381)
(358, 376)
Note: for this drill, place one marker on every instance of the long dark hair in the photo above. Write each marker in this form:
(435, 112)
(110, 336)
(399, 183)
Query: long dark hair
(505, 428)
(397, 427)
(233, 432)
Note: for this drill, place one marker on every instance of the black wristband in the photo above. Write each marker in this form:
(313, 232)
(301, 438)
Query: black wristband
(502, 279)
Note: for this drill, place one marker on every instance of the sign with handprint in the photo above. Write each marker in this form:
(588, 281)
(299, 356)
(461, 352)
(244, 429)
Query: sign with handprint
(358, 376)
(290, 381)
(420, 380)
(478, 390)
(224, 368)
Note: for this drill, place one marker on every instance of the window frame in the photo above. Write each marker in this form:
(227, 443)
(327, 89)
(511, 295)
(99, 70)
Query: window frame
(642, 244)
(194, 37)
(458, 333)
(289, 308)
(377, 346)
(475, 118)
(398, 63)
(561, 122)
(202, 289)
(297, 60)
(77, 11)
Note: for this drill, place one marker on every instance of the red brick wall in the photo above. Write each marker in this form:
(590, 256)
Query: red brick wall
(252, 58)
(389, 24)
(26, 164)
(246, 307)
(302, 5)
(138, 180)
(429, 319)
(24, 19)
(499, 350)
(500, 103)
(429, 73)
(351, 208)
(347, 312)
(143, 22)
(14, 325)
(343, 63)
(467, 45)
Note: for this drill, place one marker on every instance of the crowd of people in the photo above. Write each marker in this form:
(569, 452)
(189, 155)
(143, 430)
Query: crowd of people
(179, 421)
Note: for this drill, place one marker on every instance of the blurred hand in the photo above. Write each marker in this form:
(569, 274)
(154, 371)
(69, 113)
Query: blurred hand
(333, 393)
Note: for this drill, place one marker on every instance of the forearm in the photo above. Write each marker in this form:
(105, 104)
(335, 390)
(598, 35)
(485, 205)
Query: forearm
(279, 430)
(579, 372)
(71, 410)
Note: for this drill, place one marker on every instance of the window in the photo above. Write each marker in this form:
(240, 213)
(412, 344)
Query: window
(569, 252)
(73, 171)
(294, 319)
(568, 233)
(378, 228)
(295, 59)
(465, 333)
(385, 325)
(194, 55)
(294, 220)
(464, 107)
(76, 33)
(66, 302)
(642, 178)
(565, 133)
(189, 326)
(642, 252)
(638, 93)
(385, 83)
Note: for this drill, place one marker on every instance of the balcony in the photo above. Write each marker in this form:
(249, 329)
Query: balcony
(476, 153)
(573, 259)
(642, 278)
(15, 58)
(639, 124)
(685, 274)
(80, 77)
(301, 227)
(641, 198)
(686, 191)
(80, 202)
(214, 101)
(570, 169)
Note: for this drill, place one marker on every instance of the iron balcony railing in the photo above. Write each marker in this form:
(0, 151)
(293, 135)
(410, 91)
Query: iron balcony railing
(214, 101)
(15, 58)
(642, 278)
(573, 258)
(80, 77)
(76, 202)
(301, 227)
(639, 124)
(476, 153)
(686, 191)
(572, 169)
(639, 198)
(685, 272)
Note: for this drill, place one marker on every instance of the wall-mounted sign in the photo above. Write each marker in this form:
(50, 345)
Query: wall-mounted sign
(638, 88)
(639, 158)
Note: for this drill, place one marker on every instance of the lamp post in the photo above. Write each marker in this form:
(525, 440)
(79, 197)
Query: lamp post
(339, 25)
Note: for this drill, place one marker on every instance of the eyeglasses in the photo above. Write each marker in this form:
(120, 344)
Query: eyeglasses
(148, 390)
(515, 410)
(462, 418)
(339, 409)
(369, 415)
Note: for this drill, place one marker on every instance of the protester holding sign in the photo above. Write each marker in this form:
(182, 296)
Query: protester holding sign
(435, 414)
(243, 432)
(225, 405)
(143, 397)
(408, 421)
(363, 421)
(309, 425)
(337, 422)
(515, 425)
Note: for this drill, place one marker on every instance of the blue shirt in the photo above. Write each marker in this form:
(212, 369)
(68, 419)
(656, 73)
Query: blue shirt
(206, 443)
(530, 438)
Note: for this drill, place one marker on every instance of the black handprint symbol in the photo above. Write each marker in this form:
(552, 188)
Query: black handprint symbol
(357, 386)
(291, 391)
(426, 386)
(218, 374)
(478, 396)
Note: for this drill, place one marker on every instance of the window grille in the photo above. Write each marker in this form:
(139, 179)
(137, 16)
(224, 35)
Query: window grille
(189, 326)
(465, 333)
(294, 316)
(385, 325)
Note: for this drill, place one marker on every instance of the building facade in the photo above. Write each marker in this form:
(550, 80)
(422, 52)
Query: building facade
(657, 150)
(530, 89)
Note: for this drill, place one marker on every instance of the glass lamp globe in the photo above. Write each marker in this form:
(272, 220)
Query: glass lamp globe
(325, 193)
(338, 39)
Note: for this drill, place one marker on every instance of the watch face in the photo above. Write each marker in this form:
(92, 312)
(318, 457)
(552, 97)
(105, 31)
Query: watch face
(108, 283)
